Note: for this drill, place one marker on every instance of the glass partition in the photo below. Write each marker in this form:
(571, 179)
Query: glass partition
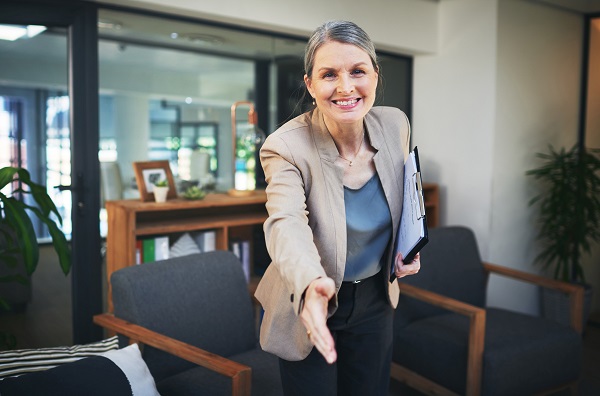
(34, 114)
(166, 90)
(168, 86)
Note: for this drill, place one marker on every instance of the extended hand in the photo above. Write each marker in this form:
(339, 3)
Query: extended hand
(314, 316)
(401, 269)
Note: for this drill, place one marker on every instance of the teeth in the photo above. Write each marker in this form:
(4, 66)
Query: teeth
(346, 102)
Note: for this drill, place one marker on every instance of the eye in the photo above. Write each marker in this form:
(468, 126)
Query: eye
(357, 72)
(328, 75)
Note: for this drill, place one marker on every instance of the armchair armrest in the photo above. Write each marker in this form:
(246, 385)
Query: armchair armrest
(240, 374)
(575, 292)
(476, 330)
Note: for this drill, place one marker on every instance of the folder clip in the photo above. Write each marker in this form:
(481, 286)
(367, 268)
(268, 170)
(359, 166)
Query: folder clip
(419, 186)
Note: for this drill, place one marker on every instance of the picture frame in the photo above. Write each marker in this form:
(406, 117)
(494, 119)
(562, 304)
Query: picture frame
(147, 172)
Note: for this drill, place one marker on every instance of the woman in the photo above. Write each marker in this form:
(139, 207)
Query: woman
(335, 187)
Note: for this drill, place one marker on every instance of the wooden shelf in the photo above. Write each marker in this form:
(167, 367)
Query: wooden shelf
(231, 217)
(128, 220)
(431, 194)
(192, 224)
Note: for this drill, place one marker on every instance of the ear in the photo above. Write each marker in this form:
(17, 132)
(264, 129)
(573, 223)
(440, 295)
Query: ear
(308, 83)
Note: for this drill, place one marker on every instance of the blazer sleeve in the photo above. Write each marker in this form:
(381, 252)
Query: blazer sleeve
(288, 236)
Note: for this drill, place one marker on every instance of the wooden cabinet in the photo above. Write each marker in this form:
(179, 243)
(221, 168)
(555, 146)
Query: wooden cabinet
(129, 220)
(431, 194)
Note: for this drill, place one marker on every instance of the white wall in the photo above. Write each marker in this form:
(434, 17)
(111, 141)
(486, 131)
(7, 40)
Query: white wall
(494, 81)
(539, 58)
(453, 117)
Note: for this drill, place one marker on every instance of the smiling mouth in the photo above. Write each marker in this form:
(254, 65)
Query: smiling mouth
(346, 102)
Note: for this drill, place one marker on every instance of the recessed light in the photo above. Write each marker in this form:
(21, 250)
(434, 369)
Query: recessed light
(200, 38)
(109, 24)
(14, 32)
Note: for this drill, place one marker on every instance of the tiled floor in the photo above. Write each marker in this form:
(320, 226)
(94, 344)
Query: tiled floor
(47, 322)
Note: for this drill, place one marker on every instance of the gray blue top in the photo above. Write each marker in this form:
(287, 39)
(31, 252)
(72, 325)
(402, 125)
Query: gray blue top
(369, 229)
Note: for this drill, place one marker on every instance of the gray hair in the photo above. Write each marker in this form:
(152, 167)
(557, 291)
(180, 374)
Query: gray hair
(344, 32)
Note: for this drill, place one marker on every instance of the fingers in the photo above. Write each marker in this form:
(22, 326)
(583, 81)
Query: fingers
(401, 270)
(322, 339)
(314, 316)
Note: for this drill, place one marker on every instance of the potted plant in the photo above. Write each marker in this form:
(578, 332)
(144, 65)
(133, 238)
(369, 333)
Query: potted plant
(568, 217)
(19, 250)
(160, 189)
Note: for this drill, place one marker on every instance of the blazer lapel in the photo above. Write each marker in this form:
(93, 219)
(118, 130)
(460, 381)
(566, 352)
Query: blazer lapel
(333, 176)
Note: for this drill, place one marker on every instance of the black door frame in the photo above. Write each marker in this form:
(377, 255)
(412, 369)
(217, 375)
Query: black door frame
(80, 18)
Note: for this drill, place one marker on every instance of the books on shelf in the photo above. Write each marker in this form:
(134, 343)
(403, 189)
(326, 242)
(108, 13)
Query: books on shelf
(206, 240)
(159, 247)
(151, 249)
(241, 248)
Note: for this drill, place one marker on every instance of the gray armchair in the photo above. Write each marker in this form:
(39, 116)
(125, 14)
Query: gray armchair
(198, 308)
(447, 342)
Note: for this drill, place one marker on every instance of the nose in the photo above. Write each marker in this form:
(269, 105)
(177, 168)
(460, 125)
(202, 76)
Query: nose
(345, 85)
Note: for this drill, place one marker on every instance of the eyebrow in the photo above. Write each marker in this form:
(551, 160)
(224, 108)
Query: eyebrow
(327, 68)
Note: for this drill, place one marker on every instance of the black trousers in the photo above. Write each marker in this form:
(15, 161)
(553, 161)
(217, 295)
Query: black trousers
(362, 330)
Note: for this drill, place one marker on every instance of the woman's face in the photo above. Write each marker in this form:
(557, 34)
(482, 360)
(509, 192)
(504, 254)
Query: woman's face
(343, 83)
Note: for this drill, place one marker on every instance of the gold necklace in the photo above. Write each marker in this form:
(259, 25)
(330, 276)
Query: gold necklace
(355, 154)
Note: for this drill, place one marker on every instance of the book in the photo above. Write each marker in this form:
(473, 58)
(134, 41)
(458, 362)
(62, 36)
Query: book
(206, 240)
(245, 250)
(161, 248)
(241, 249)
(148, 250)
(210, 241)
(412, 232)
(138, 252)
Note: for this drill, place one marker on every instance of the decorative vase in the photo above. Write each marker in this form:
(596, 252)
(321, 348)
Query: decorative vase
(160, 193)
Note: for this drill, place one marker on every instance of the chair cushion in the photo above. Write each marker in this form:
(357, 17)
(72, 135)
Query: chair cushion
(22, 361)
(117, 372)
(523, 354)
(200, 381)
(205, 294)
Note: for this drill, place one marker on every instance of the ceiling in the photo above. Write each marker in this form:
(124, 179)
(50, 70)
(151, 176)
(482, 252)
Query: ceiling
(579, 6)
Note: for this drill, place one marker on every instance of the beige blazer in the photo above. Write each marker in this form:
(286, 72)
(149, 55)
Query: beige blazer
(306, 229)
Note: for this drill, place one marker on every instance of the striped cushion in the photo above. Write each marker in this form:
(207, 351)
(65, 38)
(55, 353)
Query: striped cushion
(23, 361)
(120, 372)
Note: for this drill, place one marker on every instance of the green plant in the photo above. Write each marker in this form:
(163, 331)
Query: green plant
(161, 183)
(16, 229)
(569, 209)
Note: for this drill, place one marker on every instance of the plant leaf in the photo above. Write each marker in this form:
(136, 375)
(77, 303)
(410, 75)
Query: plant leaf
(39, 194)
(18, 218)
(59, 241)
(7, 175)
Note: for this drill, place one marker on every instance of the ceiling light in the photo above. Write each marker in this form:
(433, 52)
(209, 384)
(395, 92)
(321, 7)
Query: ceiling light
(14, 32)
(199, 38)
(109, 24)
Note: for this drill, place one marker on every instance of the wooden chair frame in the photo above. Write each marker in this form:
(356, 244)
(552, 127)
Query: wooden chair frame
(476, 338)
(241, 375)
